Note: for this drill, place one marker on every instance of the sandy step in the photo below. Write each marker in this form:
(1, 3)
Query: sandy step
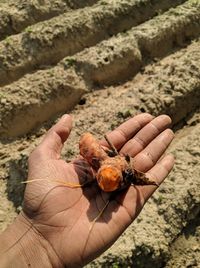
(48, 42)
(121, 57)
(17, 15)
(146, 242)
(171, 86)
(37, 98)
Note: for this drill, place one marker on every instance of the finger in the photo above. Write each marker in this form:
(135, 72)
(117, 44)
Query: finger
(140, 194)
(146, 135)
(157, 173)
(127, 130)
(148, 157)
(56, 136)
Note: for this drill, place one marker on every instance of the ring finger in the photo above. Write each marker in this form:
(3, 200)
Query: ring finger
(148, 157)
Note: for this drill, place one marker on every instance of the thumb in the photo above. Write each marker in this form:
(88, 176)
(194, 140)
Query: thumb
(53, 141)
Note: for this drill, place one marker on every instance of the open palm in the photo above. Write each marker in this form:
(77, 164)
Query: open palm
(68, 217)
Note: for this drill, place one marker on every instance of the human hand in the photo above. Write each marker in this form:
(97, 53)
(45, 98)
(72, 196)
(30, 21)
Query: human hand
(64, 216)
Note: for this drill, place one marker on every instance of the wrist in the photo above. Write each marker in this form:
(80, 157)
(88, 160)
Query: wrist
(21, 245)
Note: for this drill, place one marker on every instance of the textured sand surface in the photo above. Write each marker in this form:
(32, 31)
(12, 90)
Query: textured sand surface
(105, 61)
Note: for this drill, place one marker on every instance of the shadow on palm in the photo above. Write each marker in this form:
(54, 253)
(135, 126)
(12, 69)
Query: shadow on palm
(59, 212)
(47, 200)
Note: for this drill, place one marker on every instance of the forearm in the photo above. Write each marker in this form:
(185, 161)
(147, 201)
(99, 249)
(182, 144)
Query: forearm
(21, 246)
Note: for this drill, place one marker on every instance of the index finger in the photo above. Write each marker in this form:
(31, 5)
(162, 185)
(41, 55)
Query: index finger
(127, 130)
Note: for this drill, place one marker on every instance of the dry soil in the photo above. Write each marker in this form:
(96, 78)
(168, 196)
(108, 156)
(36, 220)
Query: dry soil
(103, 62)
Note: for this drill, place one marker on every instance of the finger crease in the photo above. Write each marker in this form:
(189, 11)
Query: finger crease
(122, 133)
(140, 141)
(155, 127)
(139, 124)
(125, 208)
(165, 144)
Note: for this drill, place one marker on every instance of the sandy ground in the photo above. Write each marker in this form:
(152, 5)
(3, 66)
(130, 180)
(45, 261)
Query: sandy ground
(105, 61)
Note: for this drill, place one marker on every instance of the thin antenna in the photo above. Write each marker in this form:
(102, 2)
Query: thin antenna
(114, 150)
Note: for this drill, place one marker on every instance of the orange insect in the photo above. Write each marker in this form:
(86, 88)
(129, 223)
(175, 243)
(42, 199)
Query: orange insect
(113, 171)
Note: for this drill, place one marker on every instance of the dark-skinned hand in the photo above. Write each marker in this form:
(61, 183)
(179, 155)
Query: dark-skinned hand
(60, 219)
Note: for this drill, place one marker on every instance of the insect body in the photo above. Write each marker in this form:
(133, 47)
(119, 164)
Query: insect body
(113, 171)
(110, 174)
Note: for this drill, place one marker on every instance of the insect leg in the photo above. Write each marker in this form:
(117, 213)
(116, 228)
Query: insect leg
(113, 149)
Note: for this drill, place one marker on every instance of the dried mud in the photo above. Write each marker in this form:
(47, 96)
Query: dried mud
(105, 61)
(47, 42)
(15, 16)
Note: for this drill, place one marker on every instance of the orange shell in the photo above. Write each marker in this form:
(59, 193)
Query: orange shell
(109, 178)
(90, 148)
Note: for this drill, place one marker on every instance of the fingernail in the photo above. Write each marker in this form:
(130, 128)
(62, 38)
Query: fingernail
(65, 117)
(148, 116)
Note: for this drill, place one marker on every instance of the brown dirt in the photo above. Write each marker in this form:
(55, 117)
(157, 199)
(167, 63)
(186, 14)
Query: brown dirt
(150, 61)
(15, 16)
(48, 42)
